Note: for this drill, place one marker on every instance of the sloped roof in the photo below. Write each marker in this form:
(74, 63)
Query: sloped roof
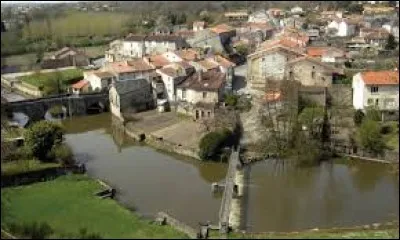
(80, 84)
(380, 77)
(207, 64)
(222, 28)
(315, 61)
(223, 61)
(187, 54)
(102, 74)
(158, 60)
(204, 81)
(139, 65)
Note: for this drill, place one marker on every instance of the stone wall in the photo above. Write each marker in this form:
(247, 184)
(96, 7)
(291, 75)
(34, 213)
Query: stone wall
(192, 233)
(316, 94)
(172, 147)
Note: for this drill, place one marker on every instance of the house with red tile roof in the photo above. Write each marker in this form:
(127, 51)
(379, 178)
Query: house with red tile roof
(379, 89)
(327, 54)
(99, 80)
(80, 86)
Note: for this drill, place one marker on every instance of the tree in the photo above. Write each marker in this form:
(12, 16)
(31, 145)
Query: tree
(391, 43)
(373, 114)
(231, 100)
(242, 49)
(42, 136)
(370, 138)
(355, 8)
(358, 117)
(211, 143)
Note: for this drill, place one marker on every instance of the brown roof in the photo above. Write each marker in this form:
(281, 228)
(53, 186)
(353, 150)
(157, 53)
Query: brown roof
(103, 74)
(223, 61)
(275, 48)
(139, 65)
(381, 77)
(207, 64)
(184, 33)
(187, 54)
(169, 71)
(157, 38)
(121, 67)
(204, 81)
(319, 51)
(158, 61)
(377, 35)
(184, 64)
(80, 84)
(221, 28)
(313, 60)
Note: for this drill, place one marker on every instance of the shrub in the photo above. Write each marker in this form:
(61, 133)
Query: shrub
(370, 137)
(63, 154)
(358, 117)
(42, 136)
(385, 129)
(56, 111)
(373, 114)
(83, 234)
(211, 144)
(231, 100)
(32, 230)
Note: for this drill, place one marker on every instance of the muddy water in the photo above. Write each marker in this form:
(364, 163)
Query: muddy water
(279, 199)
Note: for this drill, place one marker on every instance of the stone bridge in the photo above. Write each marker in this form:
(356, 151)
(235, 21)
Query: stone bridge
(81, 104)
(230, 191)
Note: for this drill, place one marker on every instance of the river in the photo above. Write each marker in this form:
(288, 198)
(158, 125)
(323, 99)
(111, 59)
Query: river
(279, 199)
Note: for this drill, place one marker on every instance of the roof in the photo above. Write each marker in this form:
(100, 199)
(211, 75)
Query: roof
(123, 87)
(121, 67)
(222, 28)
(140, 65)
(319, 51)
(102, 74)
(204, 81)
(185, 33)
(187, 54)
(158, 61)
(275, 49)
(184, 64)
(236, 14)
(381, 77)
(258, 25)
(313, 60)
(80, 84)
(207, 64)
(157, 38)
(223, 61)
(169, 71)
(377, 35)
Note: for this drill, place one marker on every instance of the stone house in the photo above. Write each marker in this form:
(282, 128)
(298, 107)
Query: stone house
(237, 16)
(172, 75)
(296, 10)
(327, 54)
(313, 33)
(310, 72)
(393, 28)
(260, 16)
(376, 88)
(130, 96)
(342, 27)
(137, 46)
(329, 15)
(182, 55)
(200, 93)
(265, 30)
(65, 57)
(207, 40)
(199, 25)
(268, 64)
(377, 39)
(99, 80)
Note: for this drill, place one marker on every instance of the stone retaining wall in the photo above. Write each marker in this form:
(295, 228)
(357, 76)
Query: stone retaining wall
(171, 147)
(192, 233)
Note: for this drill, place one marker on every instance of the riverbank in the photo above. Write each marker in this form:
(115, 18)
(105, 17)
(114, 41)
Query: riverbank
(69, 204)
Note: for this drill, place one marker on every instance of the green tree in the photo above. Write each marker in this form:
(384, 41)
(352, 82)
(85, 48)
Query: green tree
(358, 117)
(355, 8)
(242, 49)
(42, 136)
(370, 138)
(210, 145)
(373, 114)
(231, 100)
(391, 43)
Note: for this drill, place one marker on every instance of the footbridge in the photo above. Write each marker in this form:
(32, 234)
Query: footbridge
(230, 191)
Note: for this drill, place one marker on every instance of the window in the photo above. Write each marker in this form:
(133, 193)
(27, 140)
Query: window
(370, 101)
(376, 102)
(313, 75)
(183, 94)
(202, 114)
(116, 101)
(291, 75)
(209, 114)
(204, 94)
(374, 89)
(323, 79)
(262, 59)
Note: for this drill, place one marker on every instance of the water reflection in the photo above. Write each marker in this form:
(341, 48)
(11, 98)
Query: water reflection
(322, 197)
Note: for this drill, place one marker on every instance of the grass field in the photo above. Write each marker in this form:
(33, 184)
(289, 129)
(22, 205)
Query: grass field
(392, 139)
(48, 81)
(75, 23)
(68, 204)
(23, 166)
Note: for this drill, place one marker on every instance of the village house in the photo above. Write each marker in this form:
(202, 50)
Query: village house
(81, 86)
(199, 25)
(393, 28)
(172, 75)
(269, 61)
(99, 80)
(378, 89)
(377, 39)
(137, 46)
(341, 28)
(330, 15)
(265, 30)
(182, 55)
(313, 34)
(260, 16)
(296, 10)
(200, 94)
(327, 54)
(294, 35)
(66, 57)
(310, 72)
(237, 16)
(276, 12)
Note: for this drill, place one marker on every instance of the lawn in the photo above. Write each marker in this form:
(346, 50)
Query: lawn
(68, 204)
(392, 138)
(47, 81)
(23, 166)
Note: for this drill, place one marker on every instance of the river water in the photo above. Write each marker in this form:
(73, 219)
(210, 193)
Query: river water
(279, 199)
